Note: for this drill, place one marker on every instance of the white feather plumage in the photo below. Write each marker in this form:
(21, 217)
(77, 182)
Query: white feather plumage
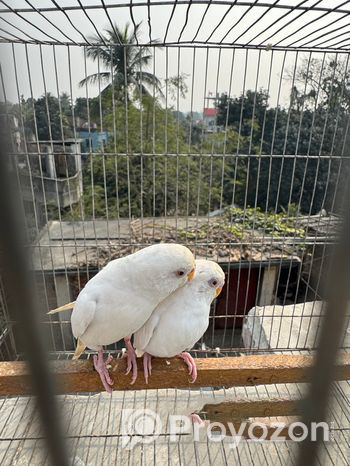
(181, 319)
(121, 297)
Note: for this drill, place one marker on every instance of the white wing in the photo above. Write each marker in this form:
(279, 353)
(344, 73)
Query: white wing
(83, 314)
(144, 334)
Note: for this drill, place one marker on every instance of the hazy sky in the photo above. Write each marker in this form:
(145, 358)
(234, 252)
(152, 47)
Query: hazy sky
(218, 72)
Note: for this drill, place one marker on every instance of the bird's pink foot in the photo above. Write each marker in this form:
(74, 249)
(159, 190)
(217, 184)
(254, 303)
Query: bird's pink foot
(131, 359)
(192, 368)
(147, 365)
(101, 367)
(196, 419)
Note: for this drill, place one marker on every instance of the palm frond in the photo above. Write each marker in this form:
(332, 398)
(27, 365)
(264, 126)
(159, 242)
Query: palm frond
(95, 39)
(142, 59)
(115, 35)
(150, 80)
(101, 53)
(123, 60)
(101, 77)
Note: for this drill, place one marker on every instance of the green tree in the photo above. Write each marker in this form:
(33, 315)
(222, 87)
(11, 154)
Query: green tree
(125, 64)
(47, 115)
(159, 184)
(313, 126)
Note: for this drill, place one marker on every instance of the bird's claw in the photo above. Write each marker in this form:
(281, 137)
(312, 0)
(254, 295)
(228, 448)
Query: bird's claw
(192, 368)
(131, 360)
(132, 365)
(101, 367)
(147, 366)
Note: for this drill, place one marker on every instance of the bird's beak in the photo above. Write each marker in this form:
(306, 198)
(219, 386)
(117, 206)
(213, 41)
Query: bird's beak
(191, 275)
(217, 292)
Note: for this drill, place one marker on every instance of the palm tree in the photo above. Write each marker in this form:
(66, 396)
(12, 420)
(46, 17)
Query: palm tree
(125, 63)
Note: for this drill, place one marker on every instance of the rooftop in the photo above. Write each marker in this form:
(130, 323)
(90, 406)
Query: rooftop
(72, 244)
(210, 112)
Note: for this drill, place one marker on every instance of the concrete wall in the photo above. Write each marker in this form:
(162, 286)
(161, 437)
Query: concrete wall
(296, 326)
(268, 286)
(53, 292)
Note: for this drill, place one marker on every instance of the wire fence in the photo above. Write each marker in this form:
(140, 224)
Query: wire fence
(242, 159)
(221, 125)
(224, 23)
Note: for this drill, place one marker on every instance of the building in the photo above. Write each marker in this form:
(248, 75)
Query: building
(324, 229)
(92, 140)
(209, 119)
(50, 175)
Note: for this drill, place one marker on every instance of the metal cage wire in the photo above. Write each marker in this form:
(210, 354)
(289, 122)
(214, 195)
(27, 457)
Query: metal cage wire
(257, 186)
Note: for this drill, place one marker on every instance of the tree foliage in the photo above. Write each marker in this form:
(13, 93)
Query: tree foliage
(46, 118)
(125, 66)
(314, 125)
(158, 183)
(158, 161)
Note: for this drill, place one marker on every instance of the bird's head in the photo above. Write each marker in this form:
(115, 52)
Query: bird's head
(209, 279)
(165, 267)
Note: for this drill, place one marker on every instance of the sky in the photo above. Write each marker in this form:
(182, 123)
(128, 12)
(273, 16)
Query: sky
(207, 70)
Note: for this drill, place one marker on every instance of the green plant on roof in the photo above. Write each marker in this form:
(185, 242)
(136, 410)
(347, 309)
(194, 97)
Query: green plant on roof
(267, 223)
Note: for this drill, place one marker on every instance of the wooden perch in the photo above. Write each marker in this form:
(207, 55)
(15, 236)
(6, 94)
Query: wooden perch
(237, 411)
(257, 431)
(80, 376)
(242, 408)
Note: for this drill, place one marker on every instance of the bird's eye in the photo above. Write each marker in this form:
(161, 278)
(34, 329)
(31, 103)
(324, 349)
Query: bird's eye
(180, 273)
(213, 282)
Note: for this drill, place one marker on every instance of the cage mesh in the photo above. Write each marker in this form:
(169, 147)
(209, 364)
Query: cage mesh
(221, 125)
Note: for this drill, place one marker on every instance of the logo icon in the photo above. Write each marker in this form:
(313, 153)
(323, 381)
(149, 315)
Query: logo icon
(139, 426)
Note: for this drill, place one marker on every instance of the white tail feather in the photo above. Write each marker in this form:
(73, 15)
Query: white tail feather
(139, 353)
(79, 349)
(66, 307)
